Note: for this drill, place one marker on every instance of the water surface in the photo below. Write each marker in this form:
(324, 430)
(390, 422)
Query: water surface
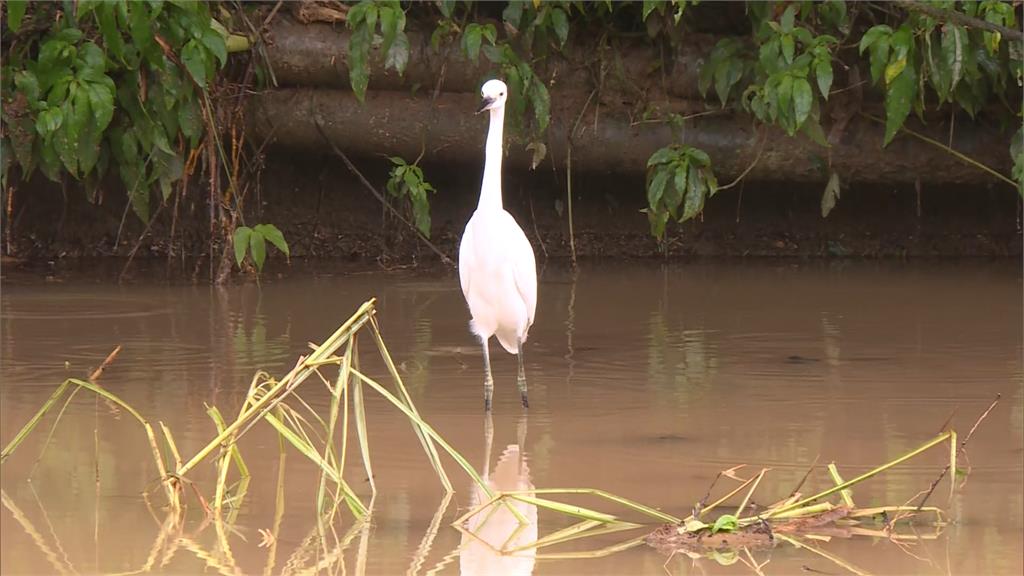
(645, 381)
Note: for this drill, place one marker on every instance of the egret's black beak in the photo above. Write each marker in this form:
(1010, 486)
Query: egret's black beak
(485, 104)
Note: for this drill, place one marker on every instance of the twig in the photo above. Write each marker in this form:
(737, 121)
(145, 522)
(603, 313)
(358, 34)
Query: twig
(568, 174)
(266, 21)
(960, 449)
(806, 476)
(536, 231)
(103, 366)
(959, 18)
(138, 243)
(377, 194)
(757, 159)
(959, 155)
(568, 195)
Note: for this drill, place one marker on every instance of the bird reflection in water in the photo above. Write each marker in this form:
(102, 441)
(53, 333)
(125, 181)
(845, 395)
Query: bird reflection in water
(492, 534)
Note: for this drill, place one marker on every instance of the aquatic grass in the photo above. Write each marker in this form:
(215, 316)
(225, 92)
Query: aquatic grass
(277, 402)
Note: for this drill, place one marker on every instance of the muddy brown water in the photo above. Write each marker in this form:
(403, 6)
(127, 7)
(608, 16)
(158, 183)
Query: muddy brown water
(645, 380)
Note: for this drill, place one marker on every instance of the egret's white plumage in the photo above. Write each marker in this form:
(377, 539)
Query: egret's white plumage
(497, 268)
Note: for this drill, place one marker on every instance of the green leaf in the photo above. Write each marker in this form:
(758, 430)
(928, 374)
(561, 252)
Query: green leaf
(101, 101)
(828, 199)
(898, 99)
(372, 11)
(710, 180)
(490, 33)
(274, 236)
(258, 249)
(560, 22)
(541, 101)
(674, 194)
(785, 99)
(661, 156)
(513, 13)
(954, 40)
(802, 98)
(471, 40)
(140, 26)
(694, 196)
(658, 221)
(823, 73)
(726, 76)
(656, 188)
(421, 213)
(804, 36)
(27, 83)
(389, 26)
(93, 58)
(540, 150)
(902, 41)
(879, 58)
(446, 7)
(194, 58)
(398, 55)
(49, 121)
(358, 61)
(107, 20)
(241, 241)
(788, 47)
(138, 195)
(357, 14)
(190, 118)
(214, 42)
(894, 69)
(649, 6)
(725, 523)
(874, 35)
(15, 13)
(49, 162)
(786, 22)
(699, 157)
(412, 179)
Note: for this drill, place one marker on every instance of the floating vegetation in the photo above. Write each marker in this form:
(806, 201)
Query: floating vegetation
(500, 531)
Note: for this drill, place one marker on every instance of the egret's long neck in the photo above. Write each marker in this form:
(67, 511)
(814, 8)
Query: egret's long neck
(490, 190)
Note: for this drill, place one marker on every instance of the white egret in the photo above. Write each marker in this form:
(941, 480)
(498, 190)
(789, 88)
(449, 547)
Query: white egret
(497, 268)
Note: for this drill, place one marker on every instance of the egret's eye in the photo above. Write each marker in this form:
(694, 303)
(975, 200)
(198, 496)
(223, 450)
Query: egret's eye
(501, 93)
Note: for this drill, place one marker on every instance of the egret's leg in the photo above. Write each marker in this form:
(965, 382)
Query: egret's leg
(488, 380)
(521, 380)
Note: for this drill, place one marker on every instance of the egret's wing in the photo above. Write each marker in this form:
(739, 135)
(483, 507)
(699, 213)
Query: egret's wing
(524, 268)
(466, 257)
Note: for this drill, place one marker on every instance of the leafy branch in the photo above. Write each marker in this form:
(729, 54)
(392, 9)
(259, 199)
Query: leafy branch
(364, 19)
(102, 87)
(679, 180)
(253, 241)
(406, 181)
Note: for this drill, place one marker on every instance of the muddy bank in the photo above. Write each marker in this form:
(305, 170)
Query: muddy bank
(327, 215)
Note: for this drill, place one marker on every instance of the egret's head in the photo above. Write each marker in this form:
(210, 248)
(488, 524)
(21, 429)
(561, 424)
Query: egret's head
(493, 94)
